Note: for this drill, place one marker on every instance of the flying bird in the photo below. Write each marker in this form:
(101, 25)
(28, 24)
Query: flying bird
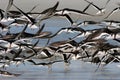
(112, 12)
(10, 3)
(32, 20)
(1, 13)
(100, 10)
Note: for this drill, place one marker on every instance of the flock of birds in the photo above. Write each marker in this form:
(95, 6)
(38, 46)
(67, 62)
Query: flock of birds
(98, 42)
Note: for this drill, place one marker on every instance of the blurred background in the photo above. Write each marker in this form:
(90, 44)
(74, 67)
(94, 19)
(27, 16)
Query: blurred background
(26, 5)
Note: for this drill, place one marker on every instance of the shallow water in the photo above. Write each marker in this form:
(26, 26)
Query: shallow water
(77, 71)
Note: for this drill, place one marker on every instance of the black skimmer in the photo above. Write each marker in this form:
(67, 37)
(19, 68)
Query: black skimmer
(67, 17)
(45, 34)
(9, 38)
(23, 34)
(23, 42)
(90, 22)
(32, 48)
(12, 38)
(114, 32)
(94, 34)
(12, 54)
(1, 13)
(15, 53)
(3, 48)
(111, 59)
(84, 10)
(32, 20)
(44, 11)
(20, 21)
(100, 10)
(14, 14)
(106, 45)
(61, 47)
(78, 29)
(112, 12)
(69, 10)
(66, 11)
(50, 11)
(10, 3)
(40, 30)
(110, 22)
(115, 53)
(46, 54)
(63, 43)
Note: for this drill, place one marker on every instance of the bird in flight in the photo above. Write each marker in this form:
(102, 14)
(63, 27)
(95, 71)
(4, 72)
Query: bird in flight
(112, 12)
(10, 3)
(100, 10)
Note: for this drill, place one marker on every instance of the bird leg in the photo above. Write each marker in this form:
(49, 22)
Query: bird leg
(49, 67)
(66, 66)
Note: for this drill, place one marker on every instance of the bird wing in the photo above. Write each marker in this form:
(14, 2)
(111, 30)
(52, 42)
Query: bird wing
(87, 7)
(77, 11)
(49, 11)
(68, 18)
(10, 3)
(93, 5)
(40, 30)
(114, 10)
(31, 19)
(19, 35)
(1, 13)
